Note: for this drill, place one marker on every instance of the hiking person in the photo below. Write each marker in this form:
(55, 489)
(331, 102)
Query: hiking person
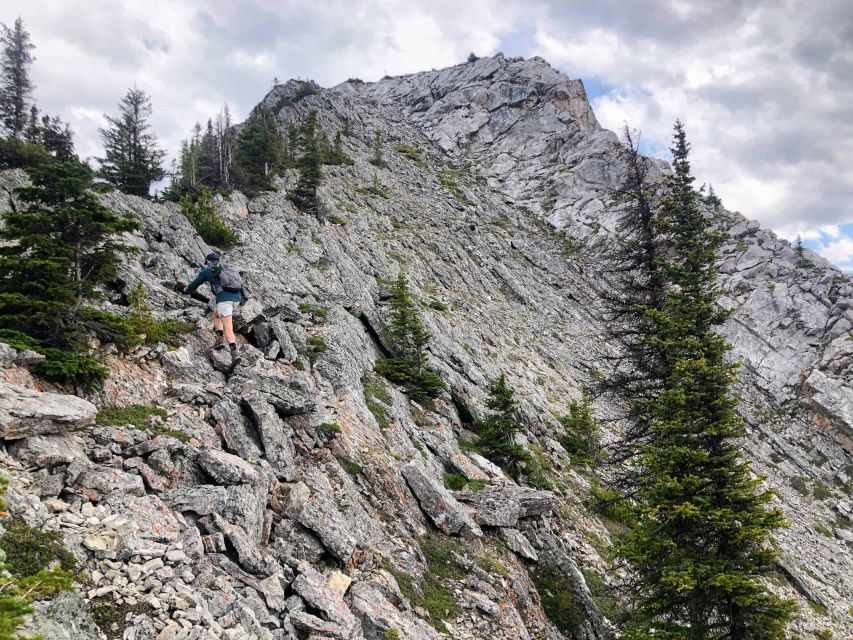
(227, 285)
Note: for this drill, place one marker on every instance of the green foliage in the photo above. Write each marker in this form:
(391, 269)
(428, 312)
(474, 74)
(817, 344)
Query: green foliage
(415, 154)
(258, 152)
(64, 244)
(558, 599)
(38, 567)
(202, 214)
(4, 482)
(333, 154)
(701, 523)
(15, 84)
(351, 467)
(408, 338)
(316, 346)
(376, 151)
(581, 432)
(376, 398)
(336, 219)
(135, 414)
(317, 312)
(374, 189)
(310, 166)
(30, 551)
(490, 564)
(800, 485)
(440, 602)
(392, 634)
(132, 158)
(472, 57)
(16, 153)
(329, 429)
(437, 305)
(821, 491)
(499, 427)
(448, 179)
(142, 322)
(455, 481)
(70, 367)
(824, 634)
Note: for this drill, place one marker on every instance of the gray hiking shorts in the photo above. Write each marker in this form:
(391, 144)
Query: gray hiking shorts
(224, 309)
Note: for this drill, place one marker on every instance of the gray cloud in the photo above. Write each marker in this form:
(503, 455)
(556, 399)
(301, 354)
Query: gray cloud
(765, 89)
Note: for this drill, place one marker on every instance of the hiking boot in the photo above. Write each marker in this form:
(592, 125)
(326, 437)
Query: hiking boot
(235, 358)
(219, 344)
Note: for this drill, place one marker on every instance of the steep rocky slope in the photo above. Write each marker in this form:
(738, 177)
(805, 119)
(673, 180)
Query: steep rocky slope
(247, 514)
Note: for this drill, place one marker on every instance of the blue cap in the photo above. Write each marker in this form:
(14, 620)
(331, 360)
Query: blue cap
(212, 257)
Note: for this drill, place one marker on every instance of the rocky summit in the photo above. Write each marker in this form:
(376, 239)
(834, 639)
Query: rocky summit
(298, 495)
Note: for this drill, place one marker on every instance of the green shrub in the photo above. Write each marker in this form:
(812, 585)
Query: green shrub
(440, 602)
(437, 305)
(152, 331)
(800, 485)
(409, 339)
(821, 491)
(16, 153)
(392, 634)
(329, 429)
(70, 367)
(352, 468)
(135, 414)
(375, 189)
(336, 219)
(316, 346)
(558, 600)
(202, 214)
(499, 427)
(581, 432)
(455, 481)
(30, 551)
(447, 179)
(316, 312)
(439, 551)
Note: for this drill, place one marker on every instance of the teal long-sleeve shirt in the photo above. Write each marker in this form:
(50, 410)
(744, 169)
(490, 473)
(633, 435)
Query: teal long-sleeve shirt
(207, 275)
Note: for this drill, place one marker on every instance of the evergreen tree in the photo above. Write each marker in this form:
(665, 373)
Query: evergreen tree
(472, 57)
(497, 430)
(376, 154)
(633, 304)
(310, 166)
(800, 250)
(702, 523)
(257, 153)
(63, 247)
(408, 339)
(209, 159)
(132, 158)
(15, 84)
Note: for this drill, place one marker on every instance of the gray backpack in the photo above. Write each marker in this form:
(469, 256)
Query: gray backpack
(229, 278)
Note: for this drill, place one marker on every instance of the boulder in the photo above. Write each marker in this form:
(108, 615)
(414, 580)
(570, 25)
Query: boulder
(226, 468)
(436, 501)
(502, 505)
(26, 412)
(318, 594)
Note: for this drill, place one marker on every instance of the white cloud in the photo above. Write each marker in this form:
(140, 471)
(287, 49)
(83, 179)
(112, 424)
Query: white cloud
(765, 89)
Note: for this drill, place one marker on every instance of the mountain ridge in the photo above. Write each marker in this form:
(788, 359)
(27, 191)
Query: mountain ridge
(289, 530)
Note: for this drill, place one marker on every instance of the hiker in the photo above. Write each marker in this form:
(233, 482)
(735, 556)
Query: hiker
(227, 286)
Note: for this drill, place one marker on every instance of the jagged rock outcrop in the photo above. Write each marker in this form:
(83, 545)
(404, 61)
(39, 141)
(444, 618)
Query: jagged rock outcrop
(298, 495)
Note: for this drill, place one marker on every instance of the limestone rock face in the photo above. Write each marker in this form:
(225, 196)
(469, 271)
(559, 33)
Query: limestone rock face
(299, 495)
(25, 412)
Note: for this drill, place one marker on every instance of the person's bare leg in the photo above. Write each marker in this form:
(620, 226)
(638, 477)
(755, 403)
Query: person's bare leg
(217, 327)
(227, 324)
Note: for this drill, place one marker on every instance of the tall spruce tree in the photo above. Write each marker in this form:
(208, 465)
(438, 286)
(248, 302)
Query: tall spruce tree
(132, 158)
(633, 303)
(702, 524)
(310, 164)
(497, 429)
(408, 340)
(63, 247)
(258, 152)
(15, 84)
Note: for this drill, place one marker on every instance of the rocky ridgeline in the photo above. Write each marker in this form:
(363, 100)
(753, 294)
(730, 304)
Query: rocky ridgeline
(299, 496)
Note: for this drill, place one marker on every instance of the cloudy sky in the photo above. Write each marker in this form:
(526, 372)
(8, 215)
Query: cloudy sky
(765, 88)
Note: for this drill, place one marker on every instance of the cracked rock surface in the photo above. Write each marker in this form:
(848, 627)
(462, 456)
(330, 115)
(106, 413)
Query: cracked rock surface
(299, 496)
